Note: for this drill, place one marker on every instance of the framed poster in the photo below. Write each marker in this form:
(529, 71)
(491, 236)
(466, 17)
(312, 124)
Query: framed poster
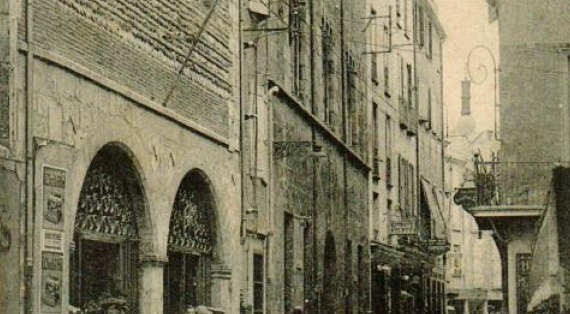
(51, 282)
(54, 183)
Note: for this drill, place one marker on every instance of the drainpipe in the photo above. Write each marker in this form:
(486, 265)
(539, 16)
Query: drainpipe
(315, 300)
(27, 305)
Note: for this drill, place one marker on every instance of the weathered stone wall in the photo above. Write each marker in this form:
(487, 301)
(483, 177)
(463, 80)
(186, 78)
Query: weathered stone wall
(75, 118)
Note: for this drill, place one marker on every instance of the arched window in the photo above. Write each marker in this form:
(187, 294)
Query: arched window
(104, 258)
(329, 279)
(191, 242)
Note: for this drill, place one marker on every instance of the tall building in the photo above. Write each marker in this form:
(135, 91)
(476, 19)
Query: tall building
(407, 228)
(305, 125)
(511, 191)
(120, 172)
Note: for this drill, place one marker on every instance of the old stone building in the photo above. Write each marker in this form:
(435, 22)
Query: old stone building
(305, 134)
(407, 229)
(115, 191)
(532, 117)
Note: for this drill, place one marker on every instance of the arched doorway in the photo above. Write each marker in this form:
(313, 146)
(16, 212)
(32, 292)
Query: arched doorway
(329, 276)
(191, 245)
(104, 265)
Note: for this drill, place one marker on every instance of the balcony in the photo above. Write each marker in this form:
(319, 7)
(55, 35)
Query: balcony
(511, 183)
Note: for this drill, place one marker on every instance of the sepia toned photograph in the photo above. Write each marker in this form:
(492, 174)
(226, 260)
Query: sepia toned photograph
(284, 157)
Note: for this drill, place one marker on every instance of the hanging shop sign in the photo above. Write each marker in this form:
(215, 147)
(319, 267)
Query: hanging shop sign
(51, 284)
(466, 197)
(54, 182)
(403, 227)
(437, 246)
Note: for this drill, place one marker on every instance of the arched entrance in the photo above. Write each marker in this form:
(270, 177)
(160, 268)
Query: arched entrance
(191, 246)
(329, 276)
(104, 265)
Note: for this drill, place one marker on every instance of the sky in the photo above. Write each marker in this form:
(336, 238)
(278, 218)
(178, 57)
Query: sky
(466, 24)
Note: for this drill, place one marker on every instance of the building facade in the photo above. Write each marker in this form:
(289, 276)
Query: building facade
(305, 127)
(118, 193)
(532, 119)
(407, 228)
(473, 268)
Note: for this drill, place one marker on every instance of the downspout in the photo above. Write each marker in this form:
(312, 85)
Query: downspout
(443, 139)
(27, 305)
(418, 132)
(315, 300)
(345, 116)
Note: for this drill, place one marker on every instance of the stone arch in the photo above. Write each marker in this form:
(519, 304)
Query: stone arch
(197, 178)
(193, 244)
(330, 274)
(112, 224)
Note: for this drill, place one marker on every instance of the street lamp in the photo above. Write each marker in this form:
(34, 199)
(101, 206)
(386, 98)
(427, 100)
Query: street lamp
(466, 83)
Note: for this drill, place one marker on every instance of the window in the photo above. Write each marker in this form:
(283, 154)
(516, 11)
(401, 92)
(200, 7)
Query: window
(375, 215)
(348, 277)
(386, 70)
(375, 134)
(421, 26)
(429, 40)
(288, 262)
(456, 257)
(398, 10)
(361, 279)
(411, 190)
(429, 110)
(405, 17)
(523, 277)
(295, 40)
(104, 261)
(388, 149)
(328, 72)
(258, 284)
(374, 42)
(352, 110)
(410, 86)
(187, 275)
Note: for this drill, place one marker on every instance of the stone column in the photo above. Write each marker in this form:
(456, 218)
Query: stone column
(221, 279)
(466, 306)
(485, 306)
(151, 284)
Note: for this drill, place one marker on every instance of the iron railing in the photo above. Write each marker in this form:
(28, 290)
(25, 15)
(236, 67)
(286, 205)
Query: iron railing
(511, 183)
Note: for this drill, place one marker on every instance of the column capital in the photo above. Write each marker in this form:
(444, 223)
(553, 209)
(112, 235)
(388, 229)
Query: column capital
(153, 260)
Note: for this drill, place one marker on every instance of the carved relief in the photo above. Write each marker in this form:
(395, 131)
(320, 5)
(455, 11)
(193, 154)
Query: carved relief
(191, 221)
(106, 206)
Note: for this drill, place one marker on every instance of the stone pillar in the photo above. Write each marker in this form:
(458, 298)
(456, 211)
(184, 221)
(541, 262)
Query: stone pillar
(485, 306)
(466, 306)
(151, 284)
(221, 279)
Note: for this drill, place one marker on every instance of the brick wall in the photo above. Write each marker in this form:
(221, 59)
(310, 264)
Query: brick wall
(141, 44)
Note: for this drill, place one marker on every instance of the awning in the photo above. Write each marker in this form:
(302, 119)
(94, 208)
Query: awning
(383, 254)
(548, 288)
(435, 204)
